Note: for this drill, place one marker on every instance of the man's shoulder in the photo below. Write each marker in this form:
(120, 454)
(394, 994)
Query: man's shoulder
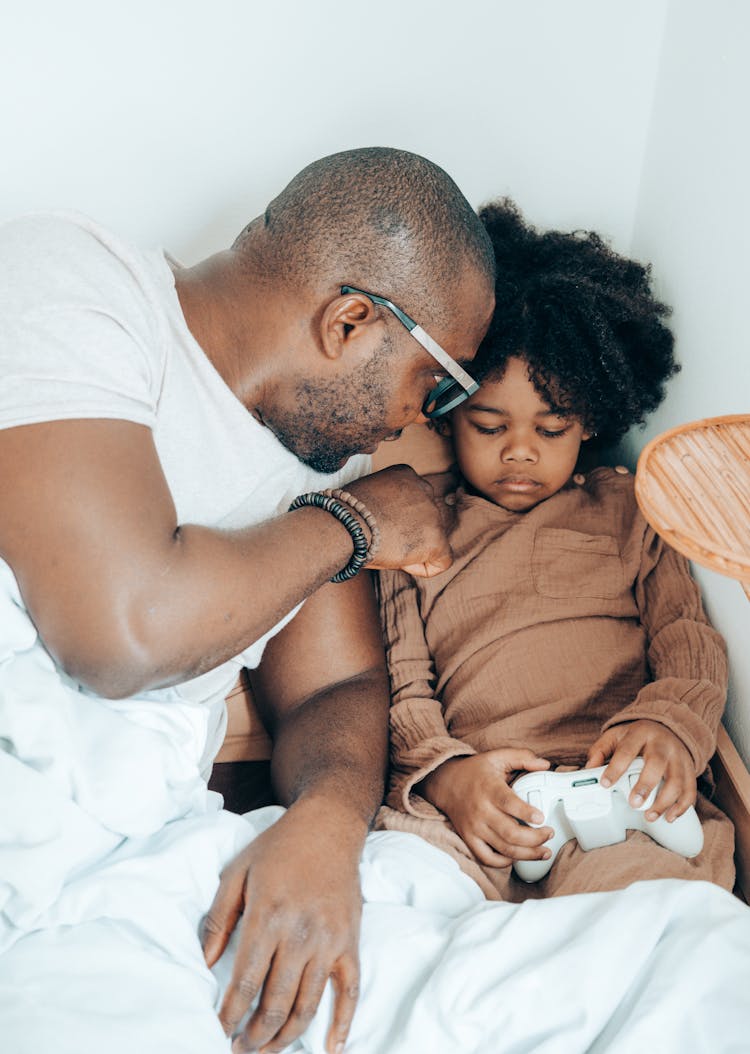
(68, 251)
(41, 234)
(63, 268)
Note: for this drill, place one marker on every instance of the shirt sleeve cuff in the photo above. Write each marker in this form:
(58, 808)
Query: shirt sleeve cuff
(423, 760)
(692, 732)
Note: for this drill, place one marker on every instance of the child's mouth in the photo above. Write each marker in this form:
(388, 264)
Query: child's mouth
(518, 484)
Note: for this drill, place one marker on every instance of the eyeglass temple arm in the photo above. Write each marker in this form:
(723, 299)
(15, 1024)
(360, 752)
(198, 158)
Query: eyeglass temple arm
(400, 315)
(456, 371)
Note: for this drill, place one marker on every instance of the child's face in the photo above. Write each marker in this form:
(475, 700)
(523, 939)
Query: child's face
(510, 447)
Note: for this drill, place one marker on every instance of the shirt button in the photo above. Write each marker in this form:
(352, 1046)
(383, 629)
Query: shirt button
(622, 470)
(579, 478)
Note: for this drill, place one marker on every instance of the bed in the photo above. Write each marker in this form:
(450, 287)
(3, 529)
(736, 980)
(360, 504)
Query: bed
(103, 891)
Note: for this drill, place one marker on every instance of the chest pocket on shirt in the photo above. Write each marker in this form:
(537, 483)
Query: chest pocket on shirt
(572, 564)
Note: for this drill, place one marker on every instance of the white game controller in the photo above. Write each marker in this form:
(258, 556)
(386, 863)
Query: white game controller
(577, 806)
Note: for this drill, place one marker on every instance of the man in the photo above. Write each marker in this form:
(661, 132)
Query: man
(156, 424)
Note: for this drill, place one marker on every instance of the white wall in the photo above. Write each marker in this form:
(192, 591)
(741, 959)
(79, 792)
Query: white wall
(693, 222)
(174, 121)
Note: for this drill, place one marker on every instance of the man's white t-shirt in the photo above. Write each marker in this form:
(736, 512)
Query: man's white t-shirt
(92, 328)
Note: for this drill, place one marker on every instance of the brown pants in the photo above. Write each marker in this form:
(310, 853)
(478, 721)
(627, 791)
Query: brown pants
(611, 867)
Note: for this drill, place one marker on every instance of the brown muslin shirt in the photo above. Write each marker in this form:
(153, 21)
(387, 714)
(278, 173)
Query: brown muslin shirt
(549, 627)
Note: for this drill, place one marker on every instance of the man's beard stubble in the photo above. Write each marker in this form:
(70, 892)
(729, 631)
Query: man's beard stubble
(337, 420)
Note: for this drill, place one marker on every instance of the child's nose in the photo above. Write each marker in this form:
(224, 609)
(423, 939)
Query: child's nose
(519, 447)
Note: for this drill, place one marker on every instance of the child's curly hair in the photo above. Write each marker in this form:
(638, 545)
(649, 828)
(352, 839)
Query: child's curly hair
(583, 317)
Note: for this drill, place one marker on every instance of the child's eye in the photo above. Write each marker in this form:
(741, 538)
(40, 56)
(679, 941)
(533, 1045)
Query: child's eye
(548, 433)
(490, 431)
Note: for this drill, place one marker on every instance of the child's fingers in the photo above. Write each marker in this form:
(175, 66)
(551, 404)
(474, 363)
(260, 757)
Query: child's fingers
(527, 760)
(519, 847)
(516, 852)
(677, 793)
(502, 836)
(518, 759)
(521, 837)
(686, 799)
(669, 793)
(654, 769)
(603, 748)
(506, 833)
(510, 804)
(486, 855)
(595, 758)
(626, 751)
(492, 850)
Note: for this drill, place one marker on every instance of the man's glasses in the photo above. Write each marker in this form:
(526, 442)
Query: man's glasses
(451, 390)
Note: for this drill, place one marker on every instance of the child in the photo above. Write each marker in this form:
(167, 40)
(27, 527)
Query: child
(566, 633)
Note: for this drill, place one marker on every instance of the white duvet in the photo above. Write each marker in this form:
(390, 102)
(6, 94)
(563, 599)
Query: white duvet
(110, 852)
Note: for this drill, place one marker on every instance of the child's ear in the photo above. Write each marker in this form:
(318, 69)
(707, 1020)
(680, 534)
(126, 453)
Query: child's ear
(587, 435)
(441, 425)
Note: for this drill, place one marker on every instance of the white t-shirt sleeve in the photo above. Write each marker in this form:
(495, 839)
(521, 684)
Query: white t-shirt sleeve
(78, 335)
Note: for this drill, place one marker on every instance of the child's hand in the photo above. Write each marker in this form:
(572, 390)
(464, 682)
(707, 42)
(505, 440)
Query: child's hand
(473, 793)
(665, 757)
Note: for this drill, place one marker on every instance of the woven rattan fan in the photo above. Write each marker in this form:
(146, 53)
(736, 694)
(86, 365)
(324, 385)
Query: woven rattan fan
(693, 486)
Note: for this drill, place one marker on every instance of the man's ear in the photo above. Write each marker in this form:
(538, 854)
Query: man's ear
(347, 325)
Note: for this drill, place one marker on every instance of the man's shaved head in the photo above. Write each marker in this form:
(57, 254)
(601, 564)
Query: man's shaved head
(328, 373)
(380, 219)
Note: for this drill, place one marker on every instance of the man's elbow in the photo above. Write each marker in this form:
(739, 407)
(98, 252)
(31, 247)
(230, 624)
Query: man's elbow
(109, 679)
(114, 665)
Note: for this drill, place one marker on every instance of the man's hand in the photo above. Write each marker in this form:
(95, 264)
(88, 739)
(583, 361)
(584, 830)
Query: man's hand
(412, 537)
(322, 691)
(294, 893)
(665, 757)
(473, 793)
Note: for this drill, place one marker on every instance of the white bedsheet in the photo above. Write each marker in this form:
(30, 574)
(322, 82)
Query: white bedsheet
(110, 852)
(116, 965)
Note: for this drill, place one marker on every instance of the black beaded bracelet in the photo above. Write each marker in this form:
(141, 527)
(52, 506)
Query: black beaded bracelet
(364, 514)
(349, 520)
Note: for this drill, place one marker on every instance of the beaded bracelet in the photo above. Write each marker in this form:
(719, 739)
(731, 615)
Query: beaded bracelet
(358, 559)
(364, 513)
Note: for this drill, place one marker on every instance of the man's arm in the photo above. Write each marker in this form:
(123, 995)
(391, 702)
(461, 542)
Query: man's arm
(323, 691)
(124, 596)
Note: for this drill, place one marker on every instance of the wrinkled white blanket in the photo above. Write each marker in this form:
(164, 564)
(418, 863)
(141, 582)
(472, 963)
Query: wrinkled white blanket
(117, 966)
(110, 852)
